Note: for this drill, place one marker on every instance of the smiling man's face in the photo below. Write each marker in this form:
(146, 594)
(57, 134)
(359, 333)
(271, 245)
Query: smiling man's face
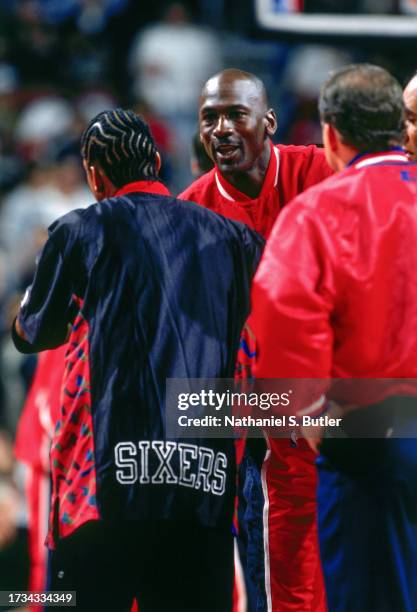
(410, 102)
(234, 123)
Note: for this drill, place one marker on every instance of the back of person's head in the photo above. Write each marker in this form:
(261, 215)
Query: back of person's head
(120, 142)
(365, 105)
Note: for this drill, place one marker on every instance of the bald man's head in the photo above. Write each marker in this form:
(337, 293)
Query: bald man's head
(235, 121)
(228, 79)
(410, 102)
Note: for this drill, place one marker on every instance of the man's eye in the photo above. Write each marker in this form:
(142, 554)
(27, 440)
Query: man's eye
(237, 114)
(208, 119)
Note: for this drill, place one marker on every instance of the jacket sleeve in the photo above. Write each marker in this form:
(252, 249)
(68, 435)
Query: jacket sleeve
(254, 246)
(47, 309)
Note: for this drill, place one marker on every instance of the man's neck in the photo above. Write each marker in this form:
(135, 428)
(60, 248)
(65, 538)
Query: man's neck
(250, 182)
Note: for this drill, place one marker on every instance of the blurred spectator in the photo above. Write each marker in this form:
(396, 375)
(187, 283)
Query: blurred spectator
(54, 184)
(87, 59)
(42, 121)
(30, 206)
(90, 103)
(51, 189)
(14, 560)
(306, 127)
(169, 62)
(9, 506)
(55, 12)
(8, 78)
(307, 69)
(35, 44)
(93, 15)
(163, 136)
(10, 163)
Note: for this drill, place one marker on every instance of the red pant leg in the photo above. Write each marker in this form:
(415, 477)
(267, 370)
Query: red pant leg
(294, 581)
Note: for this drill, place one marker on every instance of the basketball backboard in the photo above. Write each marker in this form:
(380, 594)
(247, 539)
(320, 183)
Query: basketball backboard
(328, 17)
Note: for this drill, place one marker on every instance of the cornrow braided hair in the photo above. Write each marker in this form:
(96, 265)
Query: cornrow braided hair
(121, 143)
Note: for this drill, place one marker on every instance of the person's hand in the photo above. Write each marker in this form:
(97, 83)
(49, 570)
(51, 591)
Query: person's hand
(313, 434)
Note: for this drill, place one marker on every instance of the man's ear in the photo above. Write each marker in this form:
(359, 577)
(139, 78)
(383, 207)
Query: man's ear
(100, 186)
(94, 183)
(332, 137)
(158, 162)
(337, 152)
(271, 122)
(97, 180)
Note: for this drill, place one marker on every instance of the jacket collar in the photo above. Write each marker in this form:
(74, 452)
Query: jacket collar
(155, 187)
(394, 154)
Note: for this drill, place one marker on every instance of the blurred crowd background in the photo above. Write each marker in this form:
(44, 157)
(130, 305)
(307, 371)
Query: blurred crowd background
(63, 61)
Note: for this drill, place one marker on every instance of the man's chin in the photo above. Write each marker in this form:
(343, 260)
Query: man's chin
(229, 159)
(229, 165)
